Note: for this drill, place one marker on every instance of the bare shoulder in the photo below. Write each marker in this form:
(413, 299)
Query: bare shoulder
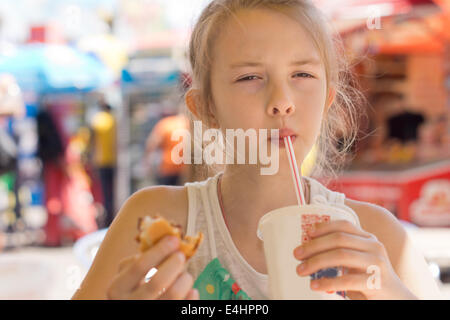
(120, 240)
(376, 219)
(383, 224)
(408, 262)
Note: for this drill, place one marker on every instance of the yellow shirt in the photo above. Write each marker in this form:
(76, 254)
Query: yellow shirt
(104, 126)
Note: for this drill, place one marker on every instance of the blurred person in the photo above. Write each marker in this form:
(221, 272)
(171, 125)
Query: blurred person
(160, 139)
(103, 143)
(79, 210)
(51, 153)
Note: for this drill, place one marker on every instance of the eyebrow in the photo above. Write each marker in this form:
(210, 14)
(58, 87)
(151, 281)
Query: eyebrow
(311, 61)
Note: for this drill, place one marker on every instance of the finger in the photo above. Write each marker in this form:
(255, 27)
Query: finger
(332, 241)
(337, 257)
(180, 288)
(324, 228)
(349, 282)
(166, 275)
(127, 280)
(193, 295)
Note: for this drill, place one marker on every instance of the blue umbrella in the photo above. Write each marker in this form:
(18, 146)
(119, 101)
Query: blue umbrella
(55, 68)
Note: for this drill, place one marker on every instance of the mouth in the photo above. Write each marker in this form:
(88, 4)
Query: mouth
(285, 132)
(281, 142)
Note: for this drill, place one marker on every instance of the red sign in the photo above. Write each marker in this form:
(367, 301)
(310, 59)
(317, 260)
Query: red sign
(420, 195)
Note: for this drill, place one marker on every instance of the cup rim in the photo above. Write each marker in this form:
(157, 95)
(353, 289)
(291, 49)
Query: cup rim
(269, 214)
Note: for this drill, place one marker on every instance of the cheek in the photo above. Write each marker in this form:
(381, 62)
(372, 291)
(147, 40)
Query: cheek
(312, 94)
(310, 106)
(236, 110)
(239, 115)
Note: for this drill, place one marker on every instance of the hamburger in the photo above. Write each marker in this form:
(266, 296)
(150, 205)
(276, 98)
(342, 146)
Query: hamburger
(152, 229)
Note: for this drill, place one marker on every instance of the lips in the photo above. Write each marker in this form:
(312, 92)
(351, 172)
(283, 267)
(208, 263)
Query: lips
(285, 132)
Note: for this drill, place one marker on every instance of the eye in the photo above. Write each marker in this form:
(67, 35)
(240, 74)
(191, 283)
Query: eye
(248, 78)
(303, 75)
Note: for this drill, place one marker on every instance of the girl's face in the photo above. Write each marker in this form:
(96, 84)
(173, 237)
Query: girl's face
(267, 73)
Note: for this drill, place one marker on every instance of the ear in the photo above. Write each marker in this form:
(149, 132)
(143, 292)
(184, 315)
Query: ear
(193, 103)
(191, 99)
(330, 99)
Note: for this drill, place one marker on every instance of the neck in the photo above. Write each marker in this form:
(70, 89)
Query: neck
(247, 196)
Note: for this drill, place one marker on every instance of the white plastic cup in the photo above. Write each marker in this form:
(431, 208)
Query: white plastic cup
(284, 229)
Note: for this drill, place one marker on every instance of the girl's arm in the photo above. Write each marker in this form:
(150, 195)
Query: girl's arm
(120, 243)
(407, 261)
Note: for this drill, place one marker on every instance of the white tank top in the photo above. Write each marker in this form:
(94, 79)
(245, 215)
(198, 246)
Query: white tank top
(205, 215)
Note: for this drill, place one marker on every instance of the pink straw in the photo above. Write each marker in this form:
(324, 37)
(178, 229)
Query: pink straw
(294, 171)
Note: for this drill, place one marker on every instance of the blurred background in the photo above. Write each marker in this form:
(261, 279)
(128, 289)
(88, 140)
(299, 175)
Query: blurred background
(91, 90)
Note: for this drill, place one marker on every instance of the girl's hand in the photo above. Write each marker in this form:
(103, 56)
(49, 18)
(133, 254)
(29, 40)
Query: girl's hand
(369, 273)
(170, 282)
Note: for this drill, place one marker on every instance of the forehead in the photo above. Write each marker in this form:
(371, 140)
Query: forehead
(262, 34)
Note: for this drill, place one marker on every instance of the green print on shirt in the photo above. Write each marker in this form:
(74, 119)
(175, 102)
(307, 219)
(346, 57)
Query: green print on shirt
(215, 283)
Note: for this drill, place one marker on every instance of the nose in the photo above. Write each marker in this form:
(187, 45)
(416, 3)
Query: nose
(282, 110)
(280, 104)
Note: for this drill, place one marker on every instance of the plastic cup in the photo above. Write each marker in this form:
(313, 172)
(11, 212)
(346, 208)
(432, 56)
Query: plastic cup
(284, 229)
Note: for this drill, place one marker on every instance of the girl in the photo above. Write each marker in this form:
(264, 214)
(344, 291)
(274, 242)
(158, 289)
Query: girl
(269, 64)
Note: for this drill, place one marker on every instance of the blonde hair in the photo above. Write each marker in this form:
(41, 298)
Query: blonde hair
(339, 128)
